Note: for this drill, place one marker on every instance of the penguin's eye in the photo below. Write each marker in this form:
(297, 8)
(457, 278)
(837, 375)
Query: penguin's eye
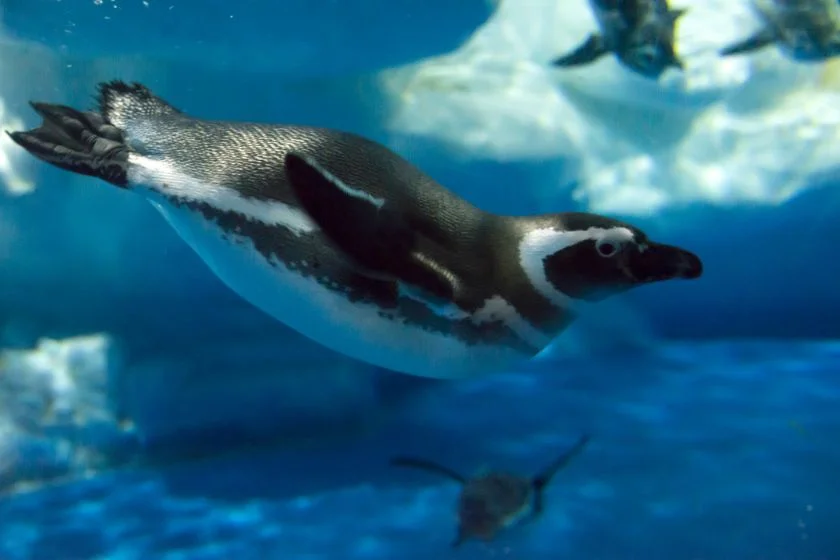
(606, 248)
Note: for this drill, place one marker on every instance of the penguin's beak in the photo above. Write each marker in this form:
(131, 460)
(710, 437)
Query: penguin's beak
(656, 262)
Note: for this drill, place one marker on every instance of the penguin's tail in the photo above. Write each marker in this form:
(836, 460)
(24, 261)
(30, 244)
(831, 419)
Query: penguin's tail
(129, 106)
(92, 142)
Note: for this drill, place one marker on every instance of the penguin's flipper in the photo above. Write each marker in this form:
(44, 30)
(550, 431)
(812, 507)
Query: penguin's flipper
(589, 51)
(542, 480)
(379, 239)
(428, 466)
(758, 40)
(676, 13)
(76, 141)
(676, 62)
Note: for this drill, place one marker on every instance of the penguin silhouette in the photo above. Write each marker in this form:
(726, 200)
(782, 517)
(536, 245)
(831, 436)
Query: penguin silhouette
(491, 501)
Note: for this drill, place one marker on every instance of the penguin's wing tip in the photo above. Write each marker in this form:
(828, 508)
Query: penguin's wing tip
(757, 41)
(542, 479)
(351, 217)
(587, 52)
(306, 173)
(426, 465)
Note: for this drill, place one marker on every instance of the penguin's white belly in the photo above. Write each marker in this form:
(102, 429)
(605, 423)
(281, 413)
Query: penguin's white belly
(326, 316)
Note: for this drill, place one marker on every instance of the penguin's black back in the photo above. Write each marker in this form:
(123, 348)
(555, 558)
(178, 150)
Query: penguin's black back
(250, 158)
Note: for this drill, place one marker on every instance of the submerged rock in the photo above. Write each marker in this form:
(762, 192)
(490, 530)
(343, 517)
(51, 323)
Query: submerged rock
(55, 413)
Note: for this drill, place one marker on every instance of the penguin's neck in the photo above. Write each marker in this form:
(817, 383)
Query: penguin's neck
(501, 244)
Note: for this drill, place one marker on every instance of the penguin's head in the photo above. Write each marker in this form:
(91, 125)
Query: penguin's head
(587, 257)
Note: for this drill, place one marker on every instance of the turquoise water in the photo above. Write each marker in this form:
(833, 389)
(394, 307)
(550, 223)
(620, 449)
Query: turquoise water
(201, 428)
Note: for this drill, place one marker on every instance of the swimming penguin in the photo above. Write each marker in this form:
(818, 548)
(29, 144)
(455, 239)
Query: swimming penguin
(495, 500)
(639, 32)
(805, 30)
(348, 243)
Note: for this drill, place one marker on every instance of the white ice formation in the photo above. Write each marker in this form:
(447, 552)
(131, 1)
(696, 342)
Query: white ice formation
(56, 417)
(750, 129)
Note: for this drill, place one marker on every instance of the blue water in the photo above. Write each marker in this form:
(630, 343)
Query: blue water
(715, 450)
(712, 408)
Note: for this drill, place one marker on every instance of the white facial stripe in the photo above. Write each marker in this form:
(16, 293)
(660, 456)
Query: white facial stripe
(163, 178)
(350, 191)
(538, 244)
